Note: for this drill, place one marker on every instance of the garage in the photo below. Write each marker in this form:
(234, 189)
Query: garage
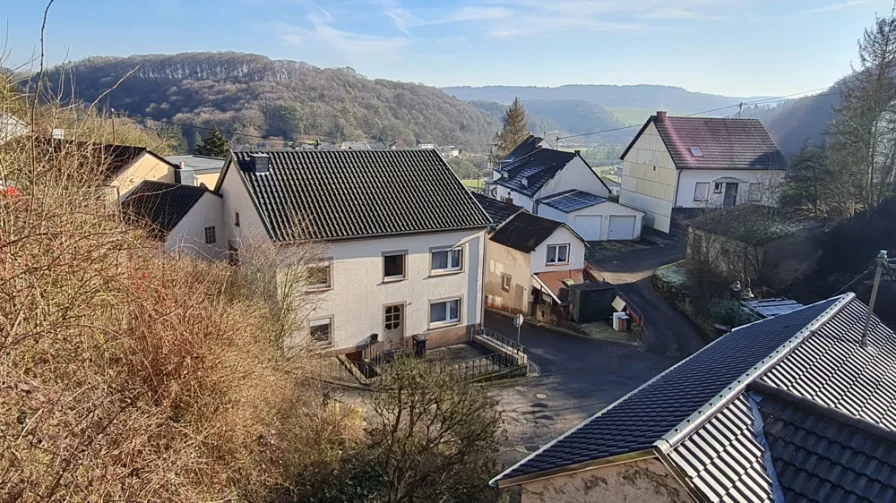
(592, 217)
(621, 227)
(587, 226)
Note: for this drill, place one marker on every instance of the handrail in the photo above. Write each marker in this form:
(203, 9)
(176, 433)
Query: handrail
(500, 339)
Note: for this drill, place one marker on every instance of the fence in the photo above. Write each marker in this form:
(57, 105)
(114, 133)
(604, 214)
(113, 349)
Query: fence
(499, 343)
(484, 365)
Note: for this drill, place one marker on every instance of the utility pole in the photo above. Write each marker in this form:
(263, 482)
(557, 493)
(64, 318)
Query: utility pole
(881, 263)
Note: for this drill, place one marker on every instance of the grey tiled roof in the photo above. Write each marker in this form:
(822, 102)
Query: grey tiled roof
(348, 194)
(525, 231)
(161, 205)
(528, 174)
(571, 200)
(498, 211)
(525, 148)
(724, 143)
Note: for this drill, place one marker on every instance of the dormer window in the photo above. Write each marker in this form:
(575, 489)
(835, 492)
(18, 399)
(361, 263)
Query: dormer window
(525, 182)
(696, 152)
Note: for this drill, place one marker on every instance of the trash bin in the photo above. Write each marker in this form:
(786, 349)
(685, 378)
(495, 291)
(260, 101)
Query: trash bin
(419, 345)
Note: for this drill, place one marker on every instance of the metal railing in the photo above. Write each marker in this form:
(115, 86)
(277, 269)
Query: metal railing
(499, 339)
(483, 365)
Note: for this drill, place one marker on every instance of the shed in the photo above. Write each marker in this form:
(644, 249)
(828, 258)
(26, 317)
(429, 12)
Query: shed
(591, 302)
(593, 217)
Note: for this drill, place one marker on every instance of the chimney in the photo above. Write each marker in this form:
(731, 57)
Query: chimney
(184, 175)
(261, 163)
(660, 115)
(578, 152)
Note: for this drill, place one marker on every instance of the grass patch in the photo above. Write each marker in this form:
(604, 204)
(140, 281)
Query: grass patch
(473, 183)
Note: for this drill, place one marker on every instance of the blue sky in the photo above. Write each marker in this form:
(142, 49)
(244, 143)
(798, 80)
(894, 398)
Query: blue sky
(732, 47)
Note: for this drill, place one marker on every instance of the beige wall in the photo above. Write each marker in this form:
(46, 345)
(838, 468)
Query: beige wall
(146, 167)
(209, 179)
(236, 199)
(649, 179)
(502, 259)
(645, 481)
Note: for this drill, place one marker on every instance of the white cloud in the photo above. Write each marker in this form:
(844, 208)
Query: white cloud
(833, 7)
(352, 46)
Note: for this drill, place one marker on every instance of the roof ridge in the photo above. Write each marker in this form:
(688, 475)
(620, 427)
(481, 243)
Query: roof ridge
(708, 410)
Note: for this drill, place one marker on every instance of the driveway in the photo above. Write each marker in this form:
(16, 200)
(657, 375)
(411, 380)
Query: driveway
(579, 376)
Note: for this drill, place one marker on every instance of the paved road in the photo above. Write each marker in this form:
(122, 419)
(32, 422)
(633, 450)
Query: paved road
(579, 376)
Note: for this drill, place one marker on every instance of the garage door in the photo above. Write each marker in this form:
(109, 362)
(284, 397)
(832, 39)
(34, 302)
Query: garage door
(621, 227)
(587, 226)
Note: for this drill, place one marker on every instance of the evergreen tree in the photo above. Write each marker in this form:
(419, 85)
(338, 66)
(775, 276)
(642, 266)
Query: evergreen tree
(809, 182)
(214, 145)
(515, 130)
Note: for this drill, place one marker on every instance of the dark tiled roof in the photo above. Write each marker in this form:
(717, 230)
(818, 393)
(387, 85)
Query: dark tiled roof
(530, 173)
(113, 159)
(160, 204)
(525, 231)
(349, 194)
(660, 406)
(571, 200)
(724, 143)
(525, 148)
(498, 211)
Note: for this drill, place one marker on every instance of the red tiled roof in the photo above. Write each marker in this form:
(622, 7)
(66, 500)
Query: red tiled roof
(553, 280)
(716, 143)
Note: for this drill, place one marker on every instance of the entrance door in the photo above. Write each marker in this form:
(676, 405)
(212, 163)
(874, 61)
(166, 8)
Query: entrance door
(730, 195)
(393, 326)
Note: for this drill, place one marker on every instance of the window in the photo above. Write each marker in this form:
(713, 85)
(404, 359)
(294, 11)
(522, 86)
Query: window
(701, 191)
(236, 218)
(444, 311)
(319, 277)
(394, 266)
(210, 235)
(321, 331)
(449, 260)
(506, 282)
(696, 152)
(558, 254)
(755, 193)
(392, 317)
(717, 188)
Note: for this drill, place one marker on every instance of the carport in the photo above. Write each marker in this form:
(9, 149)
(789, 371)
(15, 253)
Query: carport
(593, 217)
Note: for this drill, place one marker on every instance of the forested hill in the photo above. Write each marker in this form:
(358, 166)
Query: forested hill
(256, 95)
(565, 117)
(794, 122)
(652, 97)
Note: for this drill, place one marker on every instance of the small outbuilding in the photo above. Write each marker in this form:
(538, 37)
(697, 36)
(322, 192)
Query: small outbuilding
(593, 217)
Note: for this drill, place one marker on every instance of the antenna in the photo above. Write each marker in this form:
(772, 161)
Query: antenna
(740, 108)
(881, 263)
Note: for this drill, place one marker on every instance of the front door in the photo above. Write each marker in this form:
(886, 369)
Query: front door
(393, 326)
(730, 195)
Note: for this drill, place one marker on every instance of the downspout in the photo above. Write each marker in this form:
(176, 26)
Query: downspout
(484, 264)
(677, 184)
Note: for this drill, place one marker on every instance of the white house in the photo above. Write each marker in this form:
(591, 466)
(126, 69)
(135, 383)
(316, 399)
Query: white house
(425, 144)
(697, 162)
(593, 217)
(11, 127)
(184, 218)
(403, 239)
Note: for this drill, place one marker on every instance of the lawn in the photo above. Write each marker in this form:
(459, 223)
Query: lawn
(473, 184)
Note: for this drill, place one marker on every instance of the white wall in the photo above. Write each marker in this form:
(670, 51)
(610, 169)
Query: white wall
(358, 294)
(772, 182)
(188, 236)
(649, 179)
(236, 199)
(575, 175)
(538, 257)
(604, 210)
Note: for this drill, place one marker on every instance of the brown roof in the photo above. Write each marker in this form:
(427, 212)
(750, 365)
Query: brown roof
(553, 280)
(716, 143)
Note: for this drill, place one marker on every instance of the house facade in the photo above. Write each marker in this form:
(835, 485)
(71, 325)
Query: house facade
(392, 264)
(790, 408)
(593, 217)
(695, 162)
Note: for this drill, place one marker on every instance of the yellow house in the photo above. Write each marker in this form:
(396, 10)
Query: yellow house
(199, 170)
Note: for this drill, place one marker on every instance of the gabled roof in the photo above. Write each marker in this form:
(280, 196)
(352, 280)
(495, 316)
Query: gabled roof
(525, 148)
(162, 205)
(528, 174)
(571, 200)
(113, 159)
(353, 194)
(726, 418)
(525, 231)
(198, 163)
(498, 211)
(716, 143)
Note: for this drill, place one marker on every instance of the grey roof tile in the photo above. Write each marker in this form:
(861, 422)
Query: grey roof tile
(161, 205)
(571, 200)
(525, 148)
(525, 231)
(349, 194)
(528, 174)
(498, 211)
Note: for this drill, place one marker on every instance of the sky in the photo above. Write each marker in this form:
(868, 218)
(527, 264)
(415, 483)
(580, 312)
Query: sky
(729, 47)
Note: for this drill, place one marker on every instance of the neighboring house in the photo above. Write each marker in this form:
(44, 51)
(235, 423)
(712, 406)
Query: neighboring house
(354, 145)
(186, 218)
(790, 408)
(532, 262)
(595, 218)
(525, 148)
(197, 170)
(450, 151)
(697, 162)
(498, 211)
(425, 144)
(403, 240)
(11, 127)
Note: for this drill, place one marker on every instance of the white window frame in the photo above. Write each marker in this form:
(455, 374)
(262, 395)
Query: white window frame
(754, 194)
(556, 248)
(450, 269)
(210, 231)
(404, 265)
(329, 321)
(701, 195)
(328, 263)
(506, 282)
(447, 321)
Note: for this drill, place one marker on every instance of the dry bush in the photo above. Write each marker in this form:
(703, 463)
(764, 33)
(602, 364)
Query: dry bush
(129, 376)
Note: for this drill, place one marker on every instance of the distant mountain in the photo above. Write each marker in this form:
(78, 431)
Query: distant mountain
(794, 122)
(286, 99)
(561, 117)
(643, 96)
